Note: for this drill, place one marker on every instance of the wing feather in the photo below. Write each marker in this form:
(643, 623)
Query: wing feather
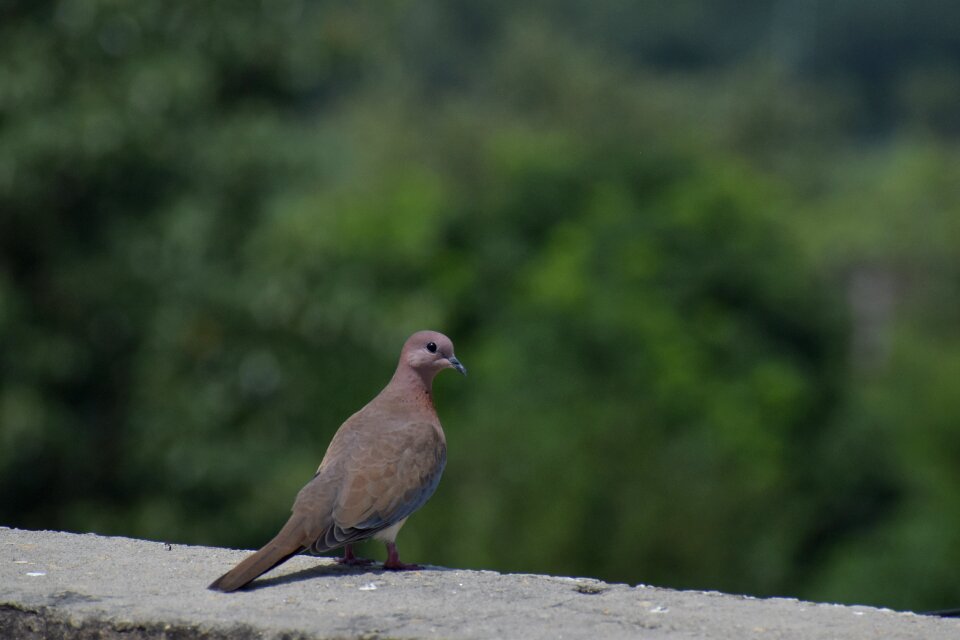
(382, 481)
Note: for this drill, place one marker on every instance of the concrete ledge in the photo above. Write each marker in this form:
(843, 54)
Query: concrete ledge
(65, 585)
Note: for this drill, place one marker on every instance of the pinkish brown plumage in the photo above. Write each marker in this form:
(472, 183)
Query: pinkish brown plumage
(383, 464)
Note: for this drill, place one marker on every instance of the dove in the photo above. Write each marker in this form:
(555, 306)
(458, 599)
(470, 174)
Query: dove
(382, 464)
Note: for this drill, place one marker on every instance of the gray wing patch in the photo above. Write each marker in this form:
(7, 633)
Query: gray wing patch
(385, 483)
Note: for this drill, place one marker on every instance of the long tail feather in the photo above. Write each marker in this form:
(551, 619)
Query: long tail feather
(288, 543)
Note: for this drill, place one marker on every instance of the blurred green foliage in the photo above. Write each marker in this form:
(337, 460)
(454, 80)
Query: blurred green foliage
(701, 259)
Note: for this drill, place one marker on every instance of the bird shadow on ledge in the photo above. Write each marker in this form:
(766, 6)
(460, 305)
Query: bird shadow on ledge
(321, 571)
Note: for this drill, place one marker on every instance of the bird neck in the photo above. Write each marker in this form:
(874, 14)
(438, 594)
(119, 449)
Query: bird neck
(411, 387)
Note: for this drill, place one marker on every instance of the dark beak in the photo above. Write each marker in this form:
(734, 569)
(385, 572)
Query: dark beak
(456, 365)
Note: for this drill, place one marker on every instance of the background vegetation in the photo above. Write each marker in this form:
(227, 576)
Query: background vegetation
(701, 258)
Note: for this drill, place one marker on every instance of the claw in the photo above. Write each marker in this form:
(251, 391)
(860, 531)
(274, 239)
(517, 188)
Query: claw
(351, 560)
(393, 560)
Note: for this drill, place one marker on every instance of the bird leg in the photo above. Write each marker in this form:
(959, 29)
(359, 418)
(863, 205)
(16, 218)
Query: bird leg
(393, 560)
(351, 560)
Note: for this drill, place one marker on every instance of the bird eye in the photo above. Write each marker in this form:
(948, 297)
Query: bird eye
(432, 347)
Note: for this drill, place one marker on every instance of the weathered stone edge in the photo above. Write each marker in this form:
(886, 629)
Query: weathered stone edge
(42, 623)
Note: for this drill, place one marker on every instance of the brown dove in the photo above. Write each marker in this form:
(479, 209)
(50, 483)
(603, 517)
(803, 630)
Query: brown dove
(383, 464)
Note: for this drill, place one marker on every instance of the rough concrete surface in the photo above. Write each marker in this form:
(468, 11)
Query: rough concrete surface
(64, 585)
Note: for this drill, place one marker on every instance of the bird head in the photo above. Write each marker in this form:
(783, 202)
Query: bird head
(429, 352)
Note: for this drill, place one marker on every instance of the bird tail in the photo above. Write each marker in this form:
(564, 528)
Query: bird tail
(285, 545)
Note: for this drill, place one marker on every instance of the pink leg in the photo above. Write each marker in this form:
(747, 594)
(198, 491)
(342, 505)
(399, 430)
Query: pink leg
(350, 559)
(393, 560)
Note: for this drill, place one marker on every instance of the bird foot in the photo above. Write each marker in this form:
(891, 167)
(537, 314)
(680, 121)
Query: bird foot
(351, 560)
(393, 560)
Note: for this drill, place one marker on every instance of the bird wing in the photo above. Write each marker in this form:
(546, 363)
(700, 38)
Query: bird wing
(382, 480)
